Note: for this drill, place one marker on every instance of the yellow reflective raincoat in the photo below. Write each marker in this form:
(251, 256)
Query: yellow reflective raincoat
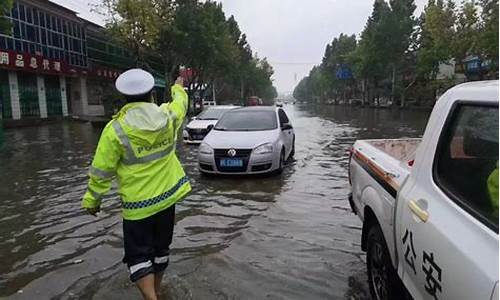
(137, 147)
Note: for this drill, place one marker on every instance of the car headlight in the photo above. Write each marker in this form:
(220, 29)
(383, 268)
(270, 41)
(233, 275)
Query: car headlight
(205, 149)
(264, 149)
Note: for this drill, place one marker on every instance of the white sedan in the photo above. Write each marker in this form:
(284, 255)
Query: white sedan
(250, 140)
(196, 130)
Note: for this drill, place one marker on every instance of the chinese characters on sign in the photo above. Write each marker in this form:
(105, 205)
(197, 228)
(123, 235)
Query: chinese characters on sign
(19, 61)
(26, 62)
(430, 268)
(107, 73)
(4, 58)
(13, 60)
(33, 63)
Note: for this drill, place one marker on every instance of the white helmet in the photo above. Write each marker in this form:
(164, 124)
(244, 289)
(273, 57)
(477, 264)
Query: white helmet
(135, 82)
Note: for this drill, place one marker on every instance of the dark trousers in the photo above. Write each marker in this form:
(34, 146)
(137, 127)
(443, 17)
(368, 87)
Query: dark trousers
(147, 243)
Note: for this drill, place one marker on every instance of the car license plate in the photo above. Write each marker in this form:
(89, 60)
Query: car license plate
(228, 162)
(198, 137)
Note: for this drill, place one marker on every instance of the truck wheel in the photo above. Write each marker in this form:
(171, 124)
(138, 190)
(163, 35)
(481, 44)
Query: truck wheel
(382, 278)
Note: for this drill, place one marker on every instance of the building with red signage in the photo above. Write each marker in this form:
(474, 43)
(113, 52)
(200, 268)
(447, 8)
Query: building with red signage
(54, 64)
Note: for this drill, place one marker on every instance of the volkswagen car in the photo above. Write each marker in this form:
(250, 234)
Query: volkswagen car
(196, 130)
(249, 140)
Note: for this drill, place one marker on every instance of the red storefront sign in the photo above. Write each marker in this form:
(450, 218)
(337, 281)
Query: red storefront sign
(17, 61)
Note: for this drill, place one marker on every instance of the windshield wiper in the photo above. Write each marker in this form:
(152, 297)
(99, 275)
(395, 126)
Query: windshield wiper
(220, 129)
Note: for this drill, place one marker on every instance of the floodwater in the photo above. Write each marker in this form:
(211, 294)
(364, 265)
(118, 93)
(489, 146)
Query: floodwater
(287, 237)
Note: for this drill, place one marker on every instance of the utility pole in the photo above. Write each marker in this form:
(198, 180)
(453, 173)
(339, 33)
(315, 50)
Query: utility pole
(213, 92)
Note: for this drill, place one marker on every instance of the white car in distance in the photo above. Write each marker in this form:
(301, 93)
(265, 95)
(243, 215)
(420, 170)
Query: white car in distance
(196, 130)
(250, 140)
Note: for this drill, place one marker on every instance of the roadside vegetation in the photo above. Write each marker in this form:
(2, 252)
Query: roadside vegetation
(163, 35)
(398, 58)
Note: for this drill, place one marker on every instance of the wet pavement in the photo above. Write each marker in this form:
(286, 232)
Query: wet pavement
(291, 236)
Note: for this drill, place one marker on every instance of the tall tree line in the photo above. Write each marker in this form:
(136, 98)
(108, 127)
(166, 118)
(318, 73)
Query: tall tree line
(195, 35)
(397, 57)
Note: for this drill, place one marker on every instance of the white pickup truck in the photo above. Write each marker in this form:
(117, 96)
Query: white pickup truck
(429, 206)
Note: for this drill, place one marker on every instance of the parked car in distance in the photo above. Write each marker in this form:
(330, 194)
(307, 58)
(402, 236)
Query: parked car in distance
(254, 101)
(196, 130)
(207, 103)
(429, 206)
(250, 140)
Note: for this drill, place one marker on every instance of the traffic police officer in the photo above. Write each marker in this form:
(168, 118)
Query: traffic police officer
(137, 148)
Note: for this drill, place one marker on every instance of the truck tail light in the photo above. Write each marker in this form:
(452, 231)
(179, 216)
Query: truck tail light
(411, 163)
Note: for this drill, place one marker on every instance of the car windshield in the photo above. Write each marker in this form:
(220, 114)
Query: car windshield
(248, 121)
(212, 113)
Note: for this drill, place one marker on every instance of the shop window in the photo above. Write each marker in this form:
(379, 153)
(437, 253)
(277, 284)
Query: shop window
(3, 42)
(42, 19)
(76, 45)
(29, 15)
(59, 26)
(30, 33)
(17, 29)
(10, 43)
(26, 46)
(45, 51)
(53, 23)
(23, 31)
(55, 40)
(28, 95)
(35, 16)
(19, 46)
(22, 14)
(43, 34)
(15, 11)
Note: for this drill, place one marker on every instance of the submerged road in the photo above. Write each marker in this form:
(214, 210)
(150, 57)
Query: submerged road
(287, 237)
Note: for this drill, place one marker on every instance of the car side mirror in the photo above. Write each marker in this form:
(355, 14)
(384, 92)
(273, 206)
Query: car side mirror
(210, 127)
(286, 126)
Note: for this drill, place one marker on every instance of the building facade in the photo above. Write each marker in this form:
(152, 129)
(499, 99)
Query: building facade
(54, 64)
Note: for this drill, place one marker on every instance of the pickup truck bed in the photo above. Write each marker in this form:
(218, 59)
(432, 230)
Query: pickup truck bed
(388, 161)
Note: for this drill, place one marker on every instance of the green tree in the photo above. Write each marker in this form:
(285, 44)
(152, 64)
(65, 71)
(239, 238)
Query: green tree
(467, 31)
(134, 24)
(436, 42)
(371, 58)
(402, 23)
(488, 41)
(5, 7)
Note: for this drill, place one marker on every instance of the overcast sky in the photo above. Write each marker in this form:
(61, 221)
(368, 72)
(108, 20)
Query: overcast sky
(292, 34)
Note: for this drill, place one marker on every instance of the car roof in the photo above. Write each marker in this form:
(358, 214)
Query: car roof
(257, 108)
(475, 91)
(223, 107)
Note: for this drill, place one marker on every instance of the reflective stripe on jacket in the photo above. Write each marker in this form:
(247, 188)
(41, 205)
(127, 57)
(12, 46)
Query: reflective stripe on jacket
(137, 148)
